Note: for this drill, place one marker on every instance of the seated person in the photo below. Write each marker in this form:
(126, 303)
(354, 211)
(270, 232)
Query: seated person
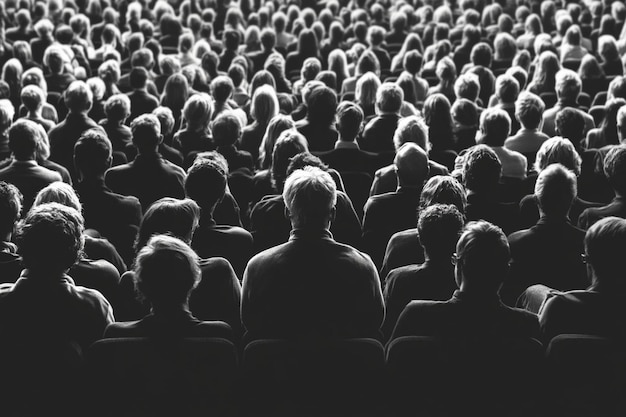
(507, 92)
(598, 310)
(33, 98)
(378, 134)
(10, 211)
(226, 133)
(218, 294)
(318, 127)
(141, 101)
(547, 253)
(475, 310)
(195, 136)
(166, 271)
(439, 227)
(45, 303)
(495, 126)
(529, 110)
(311, 286)
(117, 111)
(206, 184)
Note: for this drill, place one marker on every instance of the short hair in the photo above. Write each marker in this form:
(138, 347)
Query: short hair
(32, 97)
(237, 73)
(411, 164)
(166, 270)
(198, 110)
(481, 54)
(310, 68)
(483, 255)
(175, 217)
(615, 168)
(221, 88)
(443, 189)
(570, 123)
(143, 58)
(93, 152)
(555, 190)
(23, 139)
(389, 98)
(117, 107)
(264, 105)
(166, 118)
(567, 84)
(138, 77)
(206, 183)
(496, 126)
(322, 106)
(268, 38)
(507, 88)
(185, 42)
(78, 97)
(529, 110)
(11, 201)
(411, 129)
(519, 73)
(226, 129)
(467, 86)
(438, 228)
(412, 61)
(289, 143)
(349, 120)
(604, 246)
(146, 130)
(446, 69)
(375, 35)
(58, 192)
(169, 65)
(464, 112)
(50, 238)
(109, 71)
(310, 194)
(481, 169)
(558, 150)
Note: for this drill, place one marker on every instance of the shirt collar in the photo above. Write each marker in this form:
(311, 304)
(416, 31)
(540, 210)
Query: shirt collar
(310, 234)
(29, 163)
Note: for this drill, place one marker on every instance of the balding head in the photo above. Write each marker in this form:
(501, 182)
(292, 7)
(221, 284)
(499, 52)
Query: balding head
(411, 163)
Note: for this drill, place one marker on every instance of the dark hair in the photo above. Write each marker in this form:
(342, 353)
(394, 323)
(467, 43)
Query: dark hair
(570, 123)
(138, 77)
(481, 169)
(11, 200)
(322, 105)
(439, 227)
(349, 120)
(206, 183)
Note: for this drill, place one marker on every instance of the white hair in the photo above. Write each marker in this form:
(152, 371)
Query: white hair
(309, 194)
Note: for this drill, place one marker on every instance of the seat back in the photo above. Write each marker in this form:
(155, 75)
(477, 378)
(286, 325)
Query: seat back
(321, 378)
(146, 377)
(452, 377)
(586, 375)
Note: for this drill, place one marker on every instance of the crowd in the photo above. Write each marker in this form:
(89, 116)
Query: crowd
(312, 170)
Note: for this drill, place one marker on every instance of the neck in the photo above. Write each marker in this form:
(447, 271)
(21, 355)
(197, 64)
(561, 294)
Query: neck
(166, 308)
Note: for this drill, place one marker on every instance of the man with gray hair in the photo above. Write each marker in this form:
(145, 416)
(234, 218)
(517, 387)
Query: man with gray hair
(378, 133)
(311, 285)
(568, 87)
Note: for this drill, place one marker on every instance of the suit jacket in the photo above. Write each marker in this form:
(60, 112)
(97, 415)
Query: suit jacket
(141, 102)
(147, 177)
(320, 138)
(231, 242)
(432, 280)
(52, 309)
(270, 227)
(548, 253)
(29, 178)
(386, 214)
(529, 211)
(403, 249)
(504, 215)
(114, 216)
(311, 287)
(549, 119)
(378, 133)
(617, 208)
(179, 324)
(350, 160)
(466, 316)
(386, 180)
(64, 136)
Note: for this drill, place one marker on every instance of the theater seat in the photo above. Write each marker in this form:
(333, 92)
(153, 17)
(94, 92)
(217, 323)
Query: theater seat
(144, 377)
(453, 377)
(586, 376)
(334, 378)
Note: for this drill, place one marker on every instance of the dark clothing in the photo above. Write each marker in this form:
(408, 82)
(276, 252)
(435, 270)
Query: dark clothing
(64, 136)
(188, 141)
(251, 139)
(403, 249)
(378, 133)
(351, 160)
(141, 102)
(120, 136)
(466, 316)
(548, 253)
(10, 263)
(529, 211)
(58, 83)
(29, 178)
(321, 138)
(617, 208)
(504, 215)
(237, 159)
(432, 280)
(386, 179)
(147, 177)
(311, 287)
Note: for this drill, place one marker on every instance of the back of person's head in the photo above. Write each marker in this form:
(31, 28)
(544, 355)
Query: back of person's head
(495, 125)
(198, 111)
(143, 58)
(222, 88)
(368, 62)
(443, 189)
(411, 129)
(389, 98)
(607, 48)
(446, 70)
(567, 85)
(481, 169)
(570, 123)
(366, 89)
(555, 191)
(206, 183)
(481, 54)
(78, 97)
(289, 143)
(305, 159)
(32, 97)
(11, 200)
(617, 88)
(604, 247)
(504, 46)
(438, 228)
(264, 105)
(412, 62)
(166, 118)
(529, 110)
(349, 120)
(138, 78)
(322, 105)
(23, 139)
(482, 258)
(464, 113)
(411, 164)
(507, 88)
(54, 59)
(146, 130)
(615, 169)
(467, 86)
(310, 195)
(176, 217)
(50, 238)
(226, 129)
(558, 150)
(310, 68)
(117, 107)
(275, 127)
(166, 270)
(58, 192)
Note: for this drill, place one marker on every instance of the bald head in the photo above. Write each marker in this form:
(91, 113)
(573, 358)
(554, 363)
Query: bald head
(411, 163)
